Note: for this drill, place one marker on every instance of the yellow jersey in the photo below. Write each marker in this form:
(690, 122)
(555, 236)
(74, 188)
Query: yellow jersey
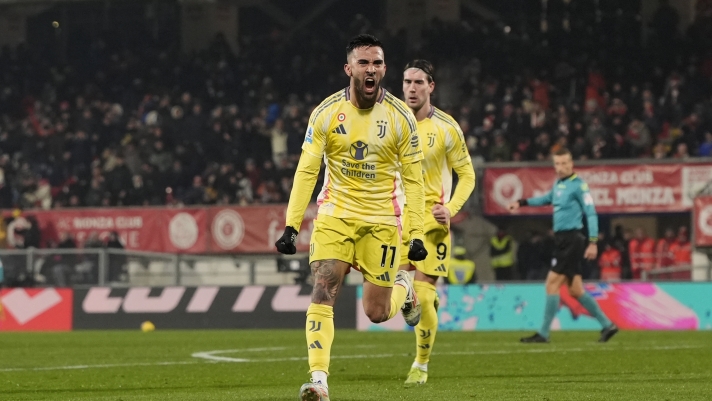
(363, 150)
(444, 149)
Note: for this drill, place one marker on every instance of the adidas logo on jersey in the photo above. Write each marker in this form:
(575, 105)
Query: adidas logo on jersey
(339, 130)
(384, 277)
(315, 345)
(441, 268)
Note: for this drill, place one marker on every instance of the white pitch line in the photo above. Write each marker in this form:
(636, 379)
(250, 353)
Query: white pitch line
(104, 365)
(211, 357)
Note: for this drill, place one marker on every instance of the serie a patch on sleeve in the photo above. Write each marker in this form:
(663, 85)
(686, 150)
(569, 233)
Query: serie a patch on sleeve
(587, 199)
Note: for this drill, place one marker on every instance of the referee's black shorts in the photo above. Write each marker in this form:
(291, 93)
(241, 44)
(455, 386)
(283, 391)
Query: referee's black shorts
(568, 254)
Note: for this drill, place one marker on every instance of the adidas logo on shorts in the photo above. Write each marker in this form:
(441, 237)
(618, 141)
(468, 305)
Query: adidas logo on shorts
(384, 277)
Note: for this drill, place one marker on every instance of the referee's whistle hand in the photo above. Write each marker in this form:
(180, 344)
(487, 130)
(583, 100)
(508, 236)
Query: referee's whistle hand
(513, 206)
(591, 252)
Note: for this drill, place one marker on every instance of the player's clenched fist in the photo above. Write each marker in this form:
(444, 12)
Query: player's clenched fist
(417, 250)
(285, 244)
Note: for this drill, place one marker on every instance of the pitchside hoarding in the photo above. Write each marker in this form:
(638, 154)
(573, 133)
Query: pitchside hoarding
(251, 307)
(624, 188)
(631, 306)
(36, 309)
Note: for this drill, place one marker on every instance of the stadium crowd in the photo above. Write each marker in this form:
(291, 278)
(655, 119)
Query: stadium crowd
(139, 123)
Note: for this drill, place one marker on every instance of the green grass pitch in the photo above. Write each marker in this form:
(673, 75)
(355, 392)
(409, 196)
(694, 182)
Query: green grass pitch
(270, 365)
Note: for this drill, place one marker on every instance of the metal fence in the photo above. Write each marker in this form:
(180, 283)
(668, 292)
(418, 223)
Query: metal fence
(118, 268)
(121, 268)
(678, 273)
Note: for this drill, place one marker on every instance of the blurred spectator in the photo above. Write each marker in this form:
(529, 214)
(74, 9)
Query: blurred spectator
(621, 241)
(196, 194)
(610, 263)
(87, 272)
(706, 147)
(502, 255)
(279, 141)
(642, 253)
(681, 151)
(500, 150)
(682, 254)
(664, 256)
(28, 230)
(530, 258)
(462, 270)
(117, 261)
(93, 241)
(63, 264)
(639, 137)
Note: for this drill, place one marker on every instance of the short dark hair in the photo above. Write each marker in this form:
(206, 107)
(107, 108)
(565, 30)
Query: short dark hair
(562, 151)
(424, 65)
(362, 40)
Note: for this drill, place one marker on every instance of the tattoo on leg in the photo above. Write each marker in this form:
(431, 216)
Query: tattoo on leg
(326, 280)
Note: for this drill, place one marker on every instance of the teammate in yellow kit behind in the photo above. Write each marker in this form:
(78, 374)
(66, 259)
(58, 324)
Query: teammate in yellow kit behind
(365, 136)
(444, 150)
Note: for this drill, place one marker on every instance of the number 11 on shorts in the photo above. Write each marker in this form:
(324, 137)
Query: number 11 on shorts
(385, 255)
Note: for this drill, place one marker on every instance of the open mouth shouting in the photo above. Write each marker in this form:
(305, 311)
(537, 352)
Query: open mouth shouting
(369, 85)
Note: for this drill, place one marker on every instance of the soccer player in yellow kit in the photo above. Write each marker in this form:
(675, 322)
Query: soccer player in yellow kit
(444, 150)
(365, 136)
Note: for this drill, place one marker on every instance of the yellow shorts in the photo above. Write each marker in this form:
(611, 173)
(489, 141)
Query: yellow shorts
(437, 242)
(373, 247)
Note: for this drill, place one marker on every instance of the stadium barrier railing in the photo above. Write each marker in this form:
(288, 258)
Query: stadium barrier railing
(120, 268)
(681, 273)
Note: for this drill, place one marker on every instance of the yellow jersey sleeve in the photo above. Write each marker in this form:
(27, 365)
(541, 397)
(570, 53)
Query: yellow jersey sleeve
(304, 180)
(410, 153)
(315, 137)
(455, 146)
(409, 146)
(458, 158)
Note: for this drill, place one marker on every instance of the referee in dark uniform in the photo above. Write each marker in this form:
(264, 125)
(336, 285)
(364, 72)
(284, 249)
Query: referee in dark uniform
(572, 200)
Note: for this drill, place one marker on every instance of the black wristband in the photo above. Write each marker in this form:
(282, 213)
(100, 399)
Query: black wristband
(523, 202)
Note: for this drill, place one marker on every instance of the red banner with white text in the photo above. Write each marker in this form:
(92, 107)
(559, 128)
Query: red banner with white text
(251, 229)
(634, 188)
(703, 221)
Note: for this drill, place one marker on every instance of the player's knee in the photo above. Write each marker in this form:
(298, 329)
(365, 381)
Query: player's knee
(552, 289)
(376, 313)
(576, 292)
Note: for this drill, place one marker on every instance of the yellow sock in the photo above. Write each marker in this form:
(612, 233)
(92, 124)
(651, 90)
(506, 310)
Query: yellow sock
(320, 335)
(397, 300)
(428, 326)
